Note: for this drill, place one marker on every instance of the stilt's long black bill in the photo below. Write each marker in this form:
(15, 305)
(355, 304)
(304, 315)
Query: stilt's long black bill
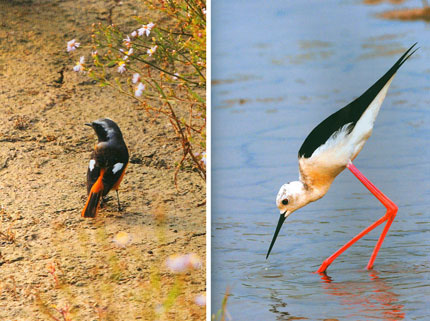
(278, 228)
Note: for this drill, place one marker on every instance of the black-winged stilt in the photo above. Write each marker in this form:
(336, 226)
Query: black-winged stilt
(331, 147)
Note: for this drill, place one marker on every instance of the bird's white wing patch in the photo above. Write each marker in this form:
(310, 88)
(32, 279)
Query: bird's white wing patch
(92, 164)
(334, 142)
(117, 167)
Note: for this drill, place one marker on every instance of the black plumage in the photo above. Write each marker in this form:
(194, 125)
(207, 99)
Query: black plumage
(107, 166)
(351, 113)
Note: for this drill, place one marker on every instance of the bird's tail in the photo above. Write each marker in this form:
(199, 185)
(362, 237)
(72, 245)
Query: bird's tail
(92, 204)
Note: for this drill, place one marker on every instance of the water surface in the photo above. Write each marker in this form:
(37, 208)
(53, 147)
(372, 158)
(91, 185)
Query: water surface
(279, 70)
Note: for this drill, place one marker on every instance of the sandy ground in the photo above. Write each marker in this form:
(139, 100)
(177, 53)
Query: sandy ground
(44, 153)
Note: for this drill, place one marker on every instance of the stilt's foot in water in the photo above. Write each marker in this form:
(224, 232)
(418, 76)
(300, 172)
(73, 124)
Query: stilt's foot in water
(325, 278)
(322, 269)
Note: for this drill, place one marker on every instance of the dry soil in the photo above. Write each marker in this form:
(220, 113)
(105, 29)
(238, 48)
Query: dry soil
(44, 154)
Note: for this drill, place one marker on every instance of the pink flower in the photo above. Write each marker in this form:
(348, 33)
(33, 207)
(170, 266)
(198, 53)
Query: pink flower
(134, 34)
(146, 29)
(79, 67)
(151, 51)
(121, 68)
(126, 53)
(200, 299)
(181, 263)
(136, 78)
(139, 90)
(127, 42)
(72, 45)
(122, 239)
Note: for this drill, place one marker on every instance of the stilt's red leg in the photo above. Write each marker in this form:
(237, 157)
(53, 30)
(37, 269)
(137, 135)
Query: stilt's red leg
(389, 217)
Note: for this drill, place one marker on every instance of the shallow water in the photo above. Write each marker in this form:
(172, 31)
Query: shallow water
(278, 71)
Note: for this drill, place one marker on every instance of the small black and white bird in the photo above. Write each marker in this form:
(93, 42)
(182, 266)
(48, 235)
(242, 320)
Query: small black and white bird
(107, 165)
(329, 149)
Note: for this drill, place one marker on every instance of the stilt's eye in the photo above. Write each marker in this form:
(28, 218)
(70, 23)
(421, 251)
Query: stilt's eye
(285, 201)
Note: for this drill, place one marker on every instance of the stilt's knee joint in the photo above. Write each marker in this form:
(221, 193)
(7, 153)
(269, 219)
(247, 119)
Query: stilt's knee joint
(392, 210)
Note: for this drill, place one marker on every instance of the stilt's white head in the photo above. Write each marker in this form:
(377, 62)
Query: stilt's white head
(291, 197)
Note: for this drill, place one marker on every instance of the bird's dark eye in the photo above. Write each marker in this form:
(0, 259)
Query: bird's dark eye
(285, 201)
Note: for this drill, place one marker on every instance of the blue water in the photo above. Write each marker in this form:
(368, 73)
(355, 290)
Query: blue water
(278, 69)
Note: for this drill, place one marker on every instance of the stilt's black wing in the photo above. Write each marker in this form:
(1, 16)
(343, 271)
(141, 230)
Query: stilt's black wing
(351, 113)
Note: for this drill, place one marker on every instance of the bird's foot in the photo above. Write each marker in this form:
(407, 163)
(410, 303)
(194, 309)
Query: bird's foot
(323, 267)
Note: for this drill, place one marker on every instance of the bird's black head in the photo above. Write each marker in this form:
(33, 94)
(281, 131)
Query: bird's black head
(105, 129)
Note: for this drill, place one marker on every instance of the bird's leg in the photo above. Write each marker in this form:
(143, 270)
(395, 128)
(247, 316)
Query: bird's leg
(119, 205)
(389, 204)
(389, 217)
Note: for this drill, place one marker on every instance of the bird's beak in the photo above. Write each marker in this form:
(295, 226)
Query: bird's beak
(282, 218)
(89, 124)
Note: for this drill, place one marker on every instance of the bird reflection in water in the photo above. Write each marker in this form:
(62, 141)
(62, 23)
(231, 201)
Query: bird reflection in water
(374, 299)
(278, 308)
